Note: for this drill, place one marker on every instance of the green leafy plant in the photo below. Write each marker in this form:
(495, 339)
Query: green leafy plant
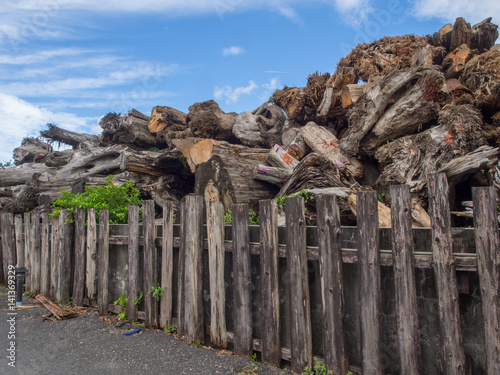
(319, 368)
(254, 357)
(228, 219)
(122, 301)
(249, 369)
(111, 197)
(27, 293)
(303, 193)
(381, 197)
(197, 344)
(5, 164)
(253, 218)
(157, 292)
(172, 330)
(154, 149)
(138, 300)
(138, 323)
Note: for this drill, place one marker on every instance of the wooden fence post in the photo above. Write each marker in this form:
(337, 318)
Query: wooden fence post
(167, 264)
(91, 274)
(80, 270)
(215, 235)
(370, 288)
(36, 254)
(404, 280)
(488, 252)
(181, 293)
(300, 309)
(8, 244)
(3, 262)
(64, 262)
(133, 262)
(45, 257)
(332, 289)
(150, 264)
(193, 271)
(54, 257)
(27, 248)
(446, 278)
(269, 263)
(103, 262)
(18, 225)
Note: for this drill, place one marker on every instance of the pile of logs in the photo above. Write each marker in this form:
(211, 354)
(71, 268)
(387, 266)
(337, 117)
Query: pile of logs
(394, 111)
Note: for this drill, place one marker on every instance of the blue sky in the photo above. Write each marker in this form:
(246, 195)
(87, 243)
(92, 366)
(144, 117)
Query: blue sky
(70, 62)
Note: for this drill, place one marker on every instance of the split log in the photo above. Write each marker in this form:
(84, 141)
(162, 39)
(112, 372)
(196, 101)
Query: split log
(133, 131)
(461, 34)
(165, 119)
(32, 150)
(207, 120)
(21, 175)
(454, 63)
(484, 35)
(325, 143)
(485, 157)
(279, 158)
(351, 94)
(298, 148)
(329, 106)
(426, 56)
(77, 140)
(273, 175)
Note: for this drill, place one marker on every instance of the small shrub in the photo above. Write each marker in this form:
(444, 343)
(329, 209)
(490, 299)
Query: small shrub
(138, 300)
(122, 301)
(157, 292)
(171, 330)
(319, 368)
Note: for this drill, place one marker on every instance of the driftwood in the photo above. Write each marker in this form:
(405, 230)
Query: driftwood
(77, 140)
(32, 150)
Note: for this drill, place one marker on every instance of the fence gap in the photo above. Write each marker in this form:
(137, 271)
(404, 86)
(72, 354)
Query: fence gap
(370, 284)
(54, 257)
(216, 254)
(103, 262)
(167, 264)
(133, 262)
(91, 275)
(45, 257)
(300, 312)
(488, 252)
(270, 322)
(18, 227)
(150, 264)
(332, 289)
(36, 254)
(404, 279)
(79, 274)
(446, 279)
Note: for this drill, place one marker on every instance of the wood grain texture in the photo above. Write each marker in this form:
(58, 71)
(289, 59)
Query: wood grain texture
(35, 254)
(54, 257)
(18, 227)
(80, 257)
(133, 262)
(150, 264)
(182, 260)
(103, 262)
(27, 248)
(167, 264)
(91, 275)
(64, 251)
(45, 257)
(8, 243)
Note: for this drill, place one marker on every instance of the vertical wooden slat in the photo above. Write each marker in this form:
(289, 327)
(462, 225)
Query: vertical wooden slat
(182, 256)
(8, 243)
(488, 252)
(446, 279)
(270, 322)
(332, 289)
(242, 274)
(27, 248)
(64, 251)
(404, 279)
(91, 277)
(3, 254)
(36, 254)
(167, 264)
(80, 271)
(300, 311)
(133, 261)
(370, 288)
(215, 234)
(193, 277)
(54, 257)
(45, 257)
(103, 262)
(18, 225)
(150, 264)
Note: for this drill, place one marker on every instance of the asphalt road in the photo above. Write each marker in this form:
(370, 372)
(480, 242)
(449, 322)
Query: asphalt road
(87, 345)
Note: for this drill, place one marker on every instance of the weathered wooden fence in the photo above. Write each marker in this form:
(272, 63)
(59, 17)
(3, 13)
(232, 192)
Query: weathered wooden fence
(72, 260)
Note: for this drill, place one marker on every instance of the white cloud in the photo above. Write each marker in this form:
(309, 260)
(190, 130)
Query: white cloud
(353, 11)
(269, 88)
(449, 10)
(232, 95)
(233, 51)
(19, 118)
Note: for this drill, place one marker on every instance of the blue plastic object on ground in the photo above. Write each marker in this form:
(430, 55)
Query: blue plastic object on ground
(132, 332)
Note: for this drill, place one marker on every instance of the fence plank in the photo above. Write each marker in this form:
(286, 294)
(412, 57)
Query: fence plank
(446, 279)
(334, 341)
(80, 271)
(488, 251)
(300, 312)
(167, 264)
(242, 274)
(91, 277)
(404, 279)
(45, 257)
(27, 248)
(64, 251)
(133, 262)
(270, 326)
(150, 264)
(180, 278)
(193, 279)
(103, 262)
(35, 254)
(8, 244)
(18, 227)
(2, 255)
(54, 257)
(370, 288)
(216, 254)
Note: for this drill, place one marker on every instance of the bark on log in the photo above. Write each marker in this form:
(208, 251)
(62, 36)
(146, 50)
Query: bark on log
(329, 106)
(484, 35)
(77, 140)
(351, 93)
(166, 119)
(32, 150)
(298, 148)
(207, 120)
(273, 175)
(454, 63)
(279, 158)
(485, 157)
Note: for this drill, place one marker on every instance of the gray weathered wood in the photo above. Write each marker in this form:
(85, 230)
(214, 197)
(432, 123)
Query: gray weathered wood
(8, 243)
(242, 276)
(404, 280)
(18, 227)
(64, 251)
(35, 254)
(269, 268)
(91, 274)
(332, 289)
(273, 175)
(150, 264)
(80, 270)
(279, 158)
(2, 254)
(54, 257)
(133, 262)
(300, 311)
(193, 279)
(27, 248)
(370, 288)
(167, 264)
(181, 292)
(488, 251)
(103, 262)
(216, 253)
(45, 257)
(446, 279)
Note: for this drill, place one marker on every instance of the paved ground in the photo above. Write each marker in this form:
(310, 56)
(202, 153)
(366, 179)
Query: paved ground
(87, 346)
